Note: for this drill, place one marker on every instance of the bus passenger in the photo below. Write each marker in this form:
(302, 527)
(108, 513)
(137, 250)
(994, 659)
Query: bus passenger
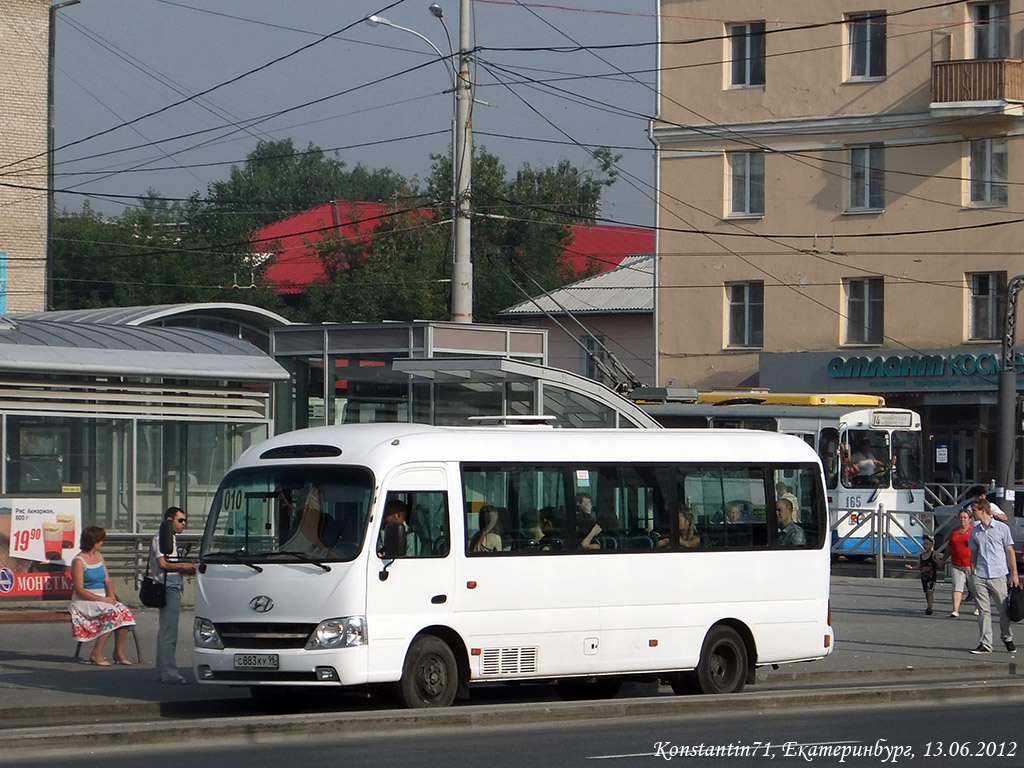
(553, 529)
(486, 539)
(688, 536)
(307, 537)
(586, 522)
(783, 491)
(791, 534)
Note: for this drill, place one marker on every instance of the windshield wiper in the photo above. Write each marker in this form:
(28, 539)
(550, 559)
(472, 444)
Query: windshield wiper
(301, 556)
(233, 556)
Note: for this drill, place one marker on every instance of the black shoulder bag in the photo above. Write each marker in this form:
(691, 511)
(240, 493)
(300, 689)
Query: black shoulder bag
(152, 593)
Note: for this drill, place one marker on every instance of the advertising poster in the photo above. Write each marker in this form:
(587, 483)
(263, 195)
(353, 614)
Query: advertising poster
(38, 539)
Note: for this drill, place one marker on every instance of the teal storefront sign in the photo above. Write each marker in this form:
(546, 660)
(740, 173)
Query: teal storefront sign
(921, 366)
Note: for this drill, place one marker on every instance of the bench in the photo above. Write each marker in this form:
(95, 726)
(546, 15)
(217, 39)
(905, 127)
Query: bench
(39, 615)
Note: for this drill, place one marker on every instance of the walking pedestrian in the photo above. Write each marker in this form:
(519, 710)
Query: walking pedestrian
(165, 567)
(992, 560)
(960, 560)
(979, 492)
(928, 563)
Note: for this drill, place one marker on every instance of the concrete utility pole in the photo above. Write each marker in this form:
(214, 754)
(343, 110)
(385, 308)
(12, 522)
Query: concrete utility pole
(462, 168)
(1007, 402)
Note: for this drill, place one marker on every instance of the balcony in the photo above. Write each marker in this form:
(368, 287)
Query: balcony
(978, 87)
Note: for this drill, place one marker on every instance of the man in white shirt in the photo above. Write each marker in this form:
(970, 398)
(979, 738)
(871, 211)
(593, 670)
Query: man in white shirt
(166, 568)
(992, 560)
(978, 492)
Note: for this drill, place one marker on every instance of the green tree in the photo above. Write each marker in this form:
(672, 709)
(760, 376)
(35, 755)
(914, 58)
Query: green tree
(277, 180)
(144, 256)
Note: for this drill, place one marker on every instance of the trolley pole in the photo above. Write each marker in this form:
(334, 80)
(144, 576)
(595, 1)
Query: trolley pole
(1007, 401)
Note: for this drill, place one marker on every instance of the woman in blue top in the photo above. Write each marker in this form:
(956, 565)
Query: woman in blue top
(95, 610)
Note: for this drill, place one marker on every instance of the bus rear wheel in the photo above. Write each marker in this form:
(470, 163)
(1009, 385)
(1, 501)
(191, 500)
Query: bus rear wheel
(582, 690)
(430, 676)
(723, 662)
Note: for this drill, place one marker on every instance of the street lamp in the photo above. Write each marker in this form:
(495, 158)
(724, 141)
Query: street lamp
(462, 172)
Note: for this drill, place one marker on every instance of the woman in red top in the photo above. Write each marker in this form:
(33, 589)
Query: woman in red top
(960, 559)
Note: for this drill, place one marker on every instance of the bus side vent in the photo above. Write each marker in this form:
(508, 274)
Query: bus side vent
(508, 661)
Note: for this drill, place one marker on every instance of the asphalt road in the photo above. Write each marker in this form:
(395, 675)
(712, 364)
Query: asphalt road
(974, 732)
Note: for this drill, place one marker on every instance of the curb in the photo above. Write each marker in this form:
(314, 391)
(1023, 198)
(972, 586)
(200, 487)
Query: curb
(266, 728)
(980, 673)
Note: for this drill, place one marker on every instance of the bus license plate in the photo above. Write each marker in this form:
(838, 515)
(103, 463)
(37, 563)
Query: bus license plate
(255, 661)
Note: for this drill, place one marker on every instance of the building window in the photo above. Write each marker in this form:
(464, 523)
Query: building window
(867, 178)
(746, 46)
(988, 171)
(746, 314)
(988, 305)
(866, 38)
(746, 172)
(865, 305)
(595, 356)
(990, 27)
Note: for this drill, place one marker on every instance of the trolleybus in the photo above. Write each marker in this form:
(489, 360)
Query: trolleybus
(426, 559)
(872, 455)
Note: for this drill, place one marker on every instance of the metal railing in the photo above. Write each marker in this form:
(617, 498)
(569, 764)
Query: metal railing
(881, 533)
(126, 553)
(977, 80)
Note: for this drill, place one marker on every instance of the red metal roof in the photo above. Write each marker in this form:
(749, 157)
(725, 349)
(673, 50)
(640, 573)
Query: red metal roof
(605, 245)
(296, 265)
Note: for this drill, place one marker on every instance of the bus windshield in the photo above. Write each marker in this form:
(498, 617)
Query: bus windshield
(307, 513)
(867, 459)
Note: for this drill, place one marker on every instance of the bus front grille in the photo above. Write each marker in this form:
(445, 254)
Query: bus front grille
(258, 635)
(508, 661)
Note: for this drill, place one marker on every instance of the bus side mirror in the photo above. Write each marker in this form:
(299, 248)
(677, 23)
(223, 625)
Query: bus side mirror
(394, 541)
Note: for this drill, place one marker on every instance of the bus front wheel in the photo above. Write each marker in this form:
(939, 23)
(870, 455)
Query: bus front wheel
(430, 676)
(723, 662)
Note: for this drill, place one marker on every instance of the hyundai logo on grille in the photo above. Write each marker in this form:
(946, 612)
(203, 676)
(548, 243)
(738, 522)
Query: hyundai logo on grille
(261, 604)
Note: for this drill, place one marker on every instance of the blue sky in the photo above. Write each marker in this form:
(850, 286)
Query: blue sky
(118, 60)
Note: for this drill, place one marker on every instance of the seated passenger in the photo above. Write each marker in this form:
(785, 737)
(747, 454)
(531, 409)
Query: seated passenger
(486, 539)
(308, 535)
(734, 514)
(552, 526)
(790, 534)
(687, 536)
(611, 531)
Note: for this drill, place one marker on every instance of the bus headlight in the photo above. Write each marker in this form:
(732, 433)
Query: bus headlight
(205, 634)
(344, 632)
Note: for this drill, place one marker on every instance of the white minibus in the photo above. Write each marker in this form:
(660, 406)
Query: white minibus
(426, 559)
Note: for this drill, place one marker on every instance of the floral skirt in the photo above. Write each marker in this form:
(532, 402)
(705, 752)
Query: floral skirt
(90, 619)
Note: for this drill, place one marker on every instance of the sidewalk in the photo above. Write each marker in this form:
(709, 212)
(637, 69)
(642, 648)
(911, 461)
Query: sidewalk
(883, 635)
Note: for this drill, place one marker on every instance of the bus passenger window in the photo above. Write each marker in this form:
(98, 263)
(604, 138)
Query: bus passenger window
(799, 510)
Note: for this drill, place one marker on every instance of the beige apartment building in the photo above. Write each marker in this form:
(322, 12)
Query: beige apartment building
(840, 204)
(24, 35)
